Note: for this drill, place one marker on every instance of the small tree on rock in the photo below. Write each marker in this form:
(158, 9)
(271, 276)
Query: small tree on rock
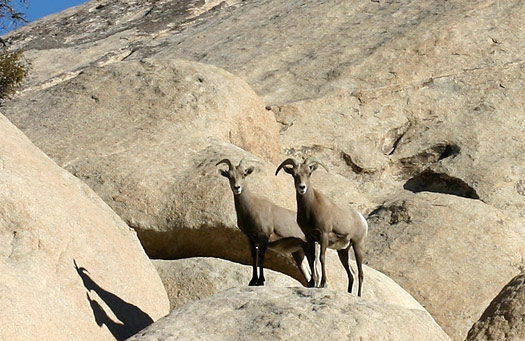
(13, 65)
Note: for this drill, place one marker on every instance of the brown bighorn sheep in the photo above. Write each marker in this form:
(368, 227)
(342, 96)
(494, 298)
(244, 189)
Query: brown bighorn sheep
(325, 223)
(264, 223)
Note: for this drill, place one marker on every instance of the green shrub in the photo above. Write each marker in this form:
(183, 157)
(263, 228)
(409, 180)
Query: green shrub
(14, 67)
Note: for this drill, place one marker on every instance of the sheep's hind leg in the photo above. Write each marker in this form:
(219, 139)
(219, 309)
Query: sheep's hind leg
(359, 251)
(303, 264)
(309, 250)
(343, 257)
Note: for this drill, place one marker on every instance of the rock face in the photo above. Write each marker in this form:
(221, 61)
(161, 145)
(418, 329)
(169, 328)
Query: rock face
(438, 76)
(187, 280)
(503, 318)
(71, 268)
(416, 107)
(437, 137)
(434, 245)
(146, 137)
(291, 313)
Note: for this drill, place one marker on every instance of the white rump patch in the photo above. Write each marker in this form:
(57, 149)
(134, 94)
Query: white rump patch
(364, 222)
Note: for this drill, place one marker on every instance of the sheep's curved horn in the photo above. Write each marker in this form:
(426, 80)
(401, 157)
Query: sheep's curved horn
(226, 161)
(288, 161)
(241, 163)
(313, 160)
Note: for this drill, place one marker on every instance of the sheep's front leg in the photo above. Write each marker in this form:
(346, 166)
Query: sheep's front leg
(254, 251)
(263, 245)
(324, 245)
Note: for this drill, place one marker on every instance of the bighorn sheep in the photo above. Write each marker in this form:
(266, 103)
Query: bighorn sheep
(264, 223)
(325, 223)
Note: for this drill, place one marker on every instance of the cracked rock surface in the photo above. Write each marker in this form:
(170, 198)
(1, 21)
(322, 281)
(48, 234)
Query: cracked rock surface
(264, 313)
(503, 318)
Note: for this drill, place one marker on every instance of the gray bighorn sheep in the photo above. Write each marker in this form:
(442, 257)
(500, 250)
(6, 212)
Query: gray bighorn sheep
(325, 223)
(264, 223)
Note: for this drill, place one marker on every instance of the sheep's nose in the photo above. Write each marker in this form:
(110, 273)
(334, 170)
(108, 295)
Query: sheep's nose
(237, 189)
(302, 188)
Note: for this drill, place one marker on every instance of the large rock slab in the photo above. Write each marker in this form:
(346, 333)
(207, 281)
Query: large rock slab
(354, 45)
(71, 268)
(98, 33)
(146, 136)
(292, 313)
(442, 249)
(503, 318)
(358, 45)
(190, 279)
(146, 106)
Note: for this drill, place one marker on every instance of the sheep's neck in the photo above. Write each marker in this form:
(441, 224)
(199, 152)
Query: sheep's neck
(245, 214)
(243, 201)
(304, 206)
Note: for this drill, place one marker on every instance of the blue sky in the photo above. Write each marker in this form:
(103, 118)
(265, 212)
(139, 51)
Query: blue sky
(35, 9)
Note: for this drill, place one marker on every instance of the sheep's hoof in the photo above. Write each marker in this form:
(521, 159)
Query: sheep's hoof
(311, 284)
(253, 282)
(260, 282)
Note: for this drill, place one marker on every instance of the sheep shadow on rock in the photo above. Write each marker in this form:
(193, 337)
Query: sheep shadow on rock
(131, 319)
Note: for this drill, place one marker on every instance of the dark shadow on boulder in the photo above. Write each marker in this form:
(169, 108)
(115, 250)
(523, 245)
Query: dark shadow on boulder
(448, 150)
(429, 181)
(131, 319)
(211, 241)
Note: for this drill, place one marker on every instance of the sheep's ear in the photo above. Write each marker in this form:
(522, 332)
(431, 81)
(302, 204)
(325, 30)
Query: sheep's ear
(223, 172)
(248, 170)
(288, 170)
